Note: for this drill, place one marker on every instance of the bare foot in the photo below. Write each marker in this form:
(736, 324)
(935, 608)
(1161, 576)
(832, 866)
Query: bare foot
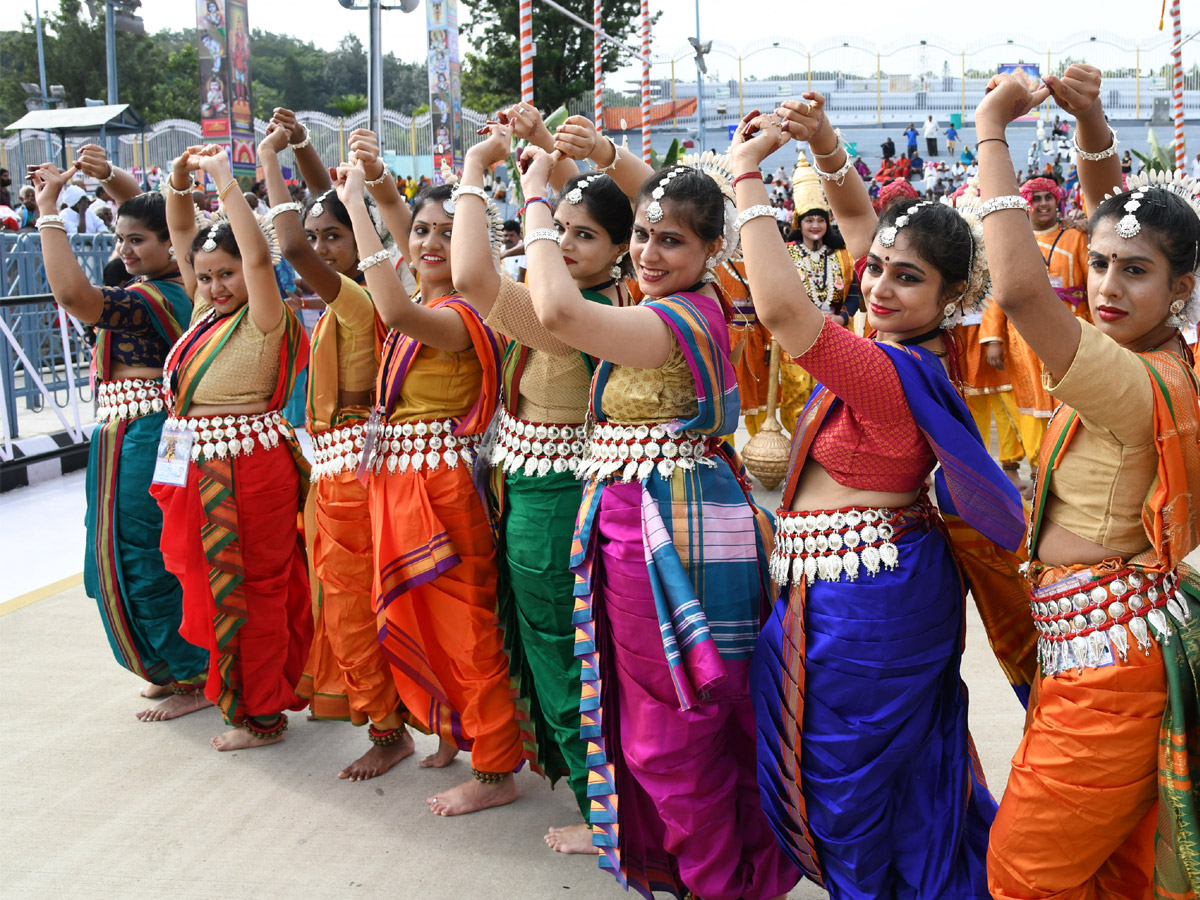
(152, 691)
(472, 796)
(378, 759)
(572, 839)
(445, 754)
(175, 706)
(241, 739)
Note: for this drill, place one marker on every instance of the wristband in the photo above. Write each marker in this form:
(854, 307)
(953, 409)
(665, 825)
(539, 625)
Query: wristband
(284, 207)
(471, 190)
(374, 259)
(985, 140)
(542, 234)
(754, 212)
(1009, 201)
(756, 174)
(549, 206)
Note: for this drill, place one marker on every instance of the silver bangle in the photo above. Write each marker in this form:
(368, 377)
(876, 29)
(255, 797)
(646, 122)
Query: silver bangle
(460, 189)
(374, 259)
(112, 173)
(754, 212)
(1008, 201)
(284, 207)
(541, 234)
(42, 226)
(50, 219)
(304, 143)
(616, 156)
(376, 182)
(1103, 154)
(832, 153)
(840, 175)
(186, 192)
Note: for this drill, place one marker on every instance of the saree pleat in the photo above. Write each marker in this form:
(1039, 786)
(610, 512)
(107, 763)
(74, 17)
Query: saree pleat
(869, 715)
(346, 676)
(435, 606)
(140, 602)
(535, 609)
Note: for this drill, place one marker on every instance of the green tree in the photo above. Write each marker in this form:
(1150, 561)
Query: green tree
(562, 69)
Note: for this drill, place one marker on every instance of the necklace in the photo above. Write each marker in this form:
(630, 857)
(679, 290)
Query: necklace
(813, 266)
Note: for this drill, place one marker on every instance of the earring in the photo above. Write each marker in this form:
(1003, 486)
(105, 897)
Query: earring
(171, 252)
(948, 313)
(615, 271)
(1175, 319)
(710, 263)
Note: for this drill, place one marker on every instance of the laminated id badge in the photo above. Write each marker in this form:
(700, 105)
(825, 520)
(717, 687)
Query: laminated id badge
(174, 456)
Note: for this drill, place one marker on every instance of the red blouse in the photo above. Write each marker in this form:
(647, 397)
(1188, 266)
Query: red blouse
(869, 441)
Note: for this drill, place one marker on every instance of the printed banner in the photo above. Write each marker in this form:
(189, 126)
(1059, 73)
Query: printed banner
(445, 85)
(226, 115)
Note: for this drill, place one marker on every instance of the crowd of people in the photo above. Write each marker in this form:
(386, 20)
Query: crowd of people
(523, 526)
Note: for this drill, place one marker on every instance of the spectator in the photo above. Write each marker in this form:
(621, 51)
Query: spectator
(931, 133)
(910, 135)
(103, 202)
(73, 206)
(951, 139)
(966, 157)
(5, 188)
(28, 211)
(864, 171)
(889, 150)
(203, 202)
(917, 169)
(514, 264)
(957, 174)
(1127, 164)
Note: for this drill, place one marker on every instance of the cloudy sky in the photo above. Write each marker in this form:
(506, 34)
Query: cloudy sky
(757, 24)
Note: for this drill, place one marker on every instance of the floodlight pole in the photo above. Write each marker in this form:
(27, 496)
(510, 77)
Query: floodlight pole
(110, 44)
(375, 82)
(699, 88)
(37, 11)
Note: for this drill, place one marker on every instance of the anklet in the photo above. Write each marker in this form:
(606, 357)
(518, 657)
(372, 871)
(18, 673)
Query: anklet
(488, 777)
(181, 688)
(383, 737)
(268, 732)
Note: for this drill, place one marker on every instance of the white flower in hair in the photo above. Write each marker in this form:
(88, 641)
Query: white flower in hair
(718, 167)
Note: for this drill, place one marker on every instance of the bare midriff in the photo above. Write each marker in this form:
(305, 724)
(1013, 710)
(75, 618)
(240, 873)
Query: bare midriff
(234, 409)
(1059, 547)
(354, 398)
(816, 490)
(120, 371)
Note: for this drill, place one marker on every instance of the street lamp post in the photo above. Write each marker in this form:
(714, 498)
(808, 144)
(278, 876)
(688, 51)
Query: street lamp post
(375, 55)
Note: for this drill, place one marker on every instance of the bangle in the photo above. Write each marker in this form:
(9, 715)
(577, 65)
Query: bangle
(985, 140)
(470, 190)
(186, 192)
(549, 206)
(837, 132)
(1008, 201)
(225, 190)
(49, 219)
(42, 226)
(840, 175)
(284, 207)
(616, 156)
(1103, 154)
(541, 234)
(304, 143)
(376, 182)
(374, 259)
(744, 175)
(754, 212)
(112, 173)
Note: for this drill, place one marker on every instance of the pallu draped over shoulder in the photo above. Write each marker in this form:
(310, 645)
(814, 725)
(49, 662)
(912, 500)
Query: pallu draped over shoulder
(536, 495)
(232, 534)
(865, 762)
(435, 565)
(140, 602)
(671, 588)
(1113, 743)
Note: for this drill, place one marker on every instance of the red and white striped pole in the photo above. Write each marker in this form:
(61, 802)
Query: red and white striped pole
(646, 80)
(598, 63)
(526, 32)
(1177, 92)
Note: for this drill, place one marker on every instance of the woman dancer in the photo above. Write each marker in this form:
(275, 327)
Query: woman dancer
(140, 602)
(346, 676)
(229, 516)
(668, 548)
(540, 443)
(1112, 742)
(435, 590)
(865, 761)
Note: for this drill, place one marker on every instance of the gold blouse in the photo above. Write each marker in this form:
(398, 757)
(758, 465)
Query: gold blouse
(637, 396)
(247, 368)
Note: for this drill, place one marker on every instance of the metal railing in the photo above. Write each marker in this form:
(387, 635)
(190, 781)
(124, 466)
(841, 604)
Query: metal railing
(45, 354)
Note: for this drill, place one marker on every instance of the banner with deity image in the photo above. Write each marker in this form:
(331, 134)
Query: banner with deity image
(445, 85)
(223, 45)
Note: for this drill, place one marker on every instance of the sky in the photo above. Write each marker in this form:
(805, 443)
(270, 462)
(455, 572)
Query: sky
(757, 23)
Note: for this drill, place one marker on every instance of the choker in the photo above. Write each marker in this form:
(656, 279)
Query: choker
(602, 286)
(920, 338)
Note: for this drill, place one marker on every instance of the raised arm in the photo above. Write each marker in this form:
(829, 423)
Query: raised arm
(577, 138)
(626, 336)
(780, 299)
(805, 120)
(308, 161)
(393, 208)
(289, 223)
(181, 213)
(440, 328)
(1078, 93)
(258, 270)
(94, 162)
(1020, 284)
(528, 125)
(475, 275)
(68, 282)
